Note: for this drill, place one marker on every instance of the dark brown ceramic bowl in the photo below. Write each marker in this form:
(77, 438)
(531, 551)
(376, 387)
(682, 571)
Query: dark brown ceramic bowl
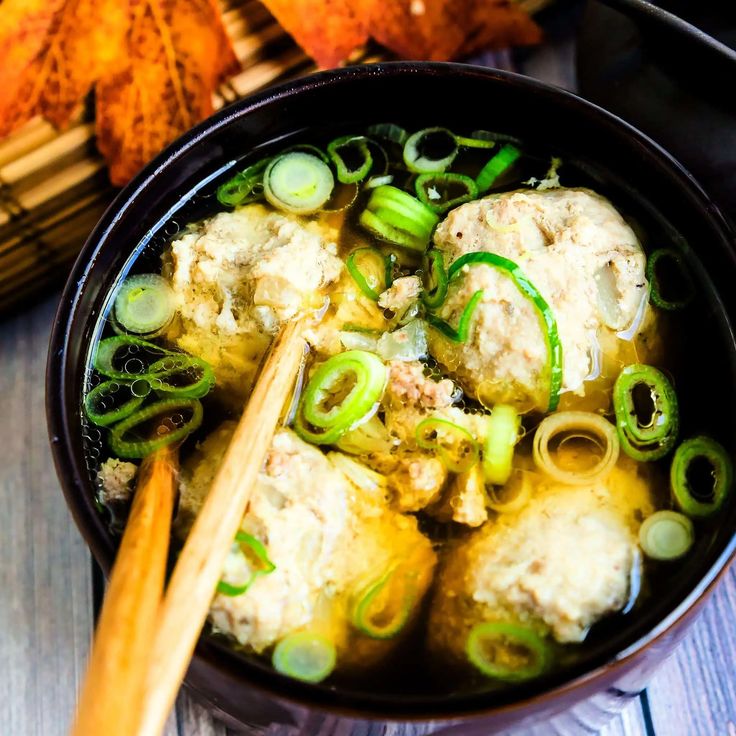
(416, 95)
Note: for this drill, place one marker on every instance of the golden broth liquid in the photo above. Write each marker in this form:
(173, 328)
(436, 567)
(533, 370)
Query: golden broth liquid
(410, 667)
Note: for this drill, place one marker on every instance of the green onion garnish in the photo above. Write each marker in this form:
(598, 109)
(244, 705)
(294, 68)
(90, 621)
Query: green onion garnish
(368, 268)
(646, 412)
(478, 139)
(396, 217)
(666, 535)
(506, 651)
(181, 375)
(444, 191)
(503, 160)
(126, 357)
(418, 159)
(463, 326)
(389, 131)
(435, 280)
(170, 427)
(341, 393)
(298, 182)
(454, 444)
(546, 316)
(350, 147)
(384, 606)
(498, 451)
(305, 656)
(254, 552)
(246, 186)
(108, 392)
(697, 461)
(144, 304)
(678, 272)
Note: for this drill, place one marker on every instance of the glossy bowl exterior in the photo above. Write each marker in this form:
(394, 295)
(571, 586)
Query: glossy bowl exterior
(417, 94)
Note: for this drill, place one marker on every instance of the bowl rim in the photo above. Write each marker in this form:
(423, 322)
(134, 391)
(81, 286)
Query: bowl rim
(61, 415)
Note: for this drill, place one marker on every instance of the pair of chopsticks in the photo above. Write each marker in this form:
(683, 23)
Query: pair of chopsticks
(145, 637)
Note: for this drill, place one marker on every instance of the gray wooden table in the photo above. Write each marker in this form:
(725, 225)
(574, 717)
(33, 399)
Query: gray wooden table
(46, 611)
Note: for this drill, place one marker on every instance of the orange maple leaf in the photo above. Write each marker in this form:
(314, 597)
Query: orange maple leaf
(177, 53)
(155, 64)
(328, 30)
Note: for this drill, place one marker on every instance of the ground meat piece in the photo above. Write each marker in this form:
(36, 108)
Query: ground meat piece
(578, 252)
(237, 276)
(415, 478)
(400, 295)
(408, 386)
(116, 480)
(560, 564)
(326, 537)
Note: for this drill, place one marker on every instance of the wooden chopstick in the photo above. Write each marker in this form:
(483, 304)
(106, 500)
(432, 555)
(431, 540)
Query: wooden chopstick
(199, 566)
(112, 694)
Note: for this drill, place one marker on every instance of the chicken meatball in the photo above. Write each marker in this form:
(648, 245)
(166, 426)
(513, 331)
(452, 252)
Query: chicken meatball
(237, 276)
(578, 252)
(559, 565)
(328, 539)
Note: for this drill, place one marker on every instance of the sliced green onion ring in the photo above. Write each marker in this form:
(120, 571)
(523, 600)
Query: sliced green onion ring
(681, 272)
(495, 648)
(396, 217)
(246, 186)
(401, 202)
(367, 267)
(350, 146)
(475, 141)
(593, 428)
(353, 382)
(666, 535)
(454, 444)
(138, 448)
(165, 376)
(389, 131)
(697, 459)
(251, 548)
(107, 389)
(144, 303)
(546, 316)
(416, 158)
(440, 191)
(501, 162)
(435, 280)
(298, 182)
(463, 326)
(650, 437)
(139, 351)
(305, 656)
(376, 613)
(501, 438)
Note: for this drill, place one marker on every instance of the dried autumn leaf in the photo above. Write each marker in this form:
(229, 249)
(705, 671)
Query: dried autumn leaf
(53, 51)
(329, 30)
(440, 30)
(177, 53)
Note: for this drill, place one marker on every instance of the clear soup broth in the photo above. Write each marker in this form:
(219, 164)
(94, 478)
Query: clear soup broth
(497, 454)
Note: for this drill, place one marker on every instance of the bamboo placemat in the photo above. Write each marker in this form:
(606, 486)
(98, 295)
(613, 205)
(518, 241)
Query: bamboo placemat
(53, 184)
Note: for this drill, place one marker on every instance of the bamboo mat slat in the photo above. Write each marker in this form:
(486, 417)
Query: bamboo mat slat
(53, 184)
